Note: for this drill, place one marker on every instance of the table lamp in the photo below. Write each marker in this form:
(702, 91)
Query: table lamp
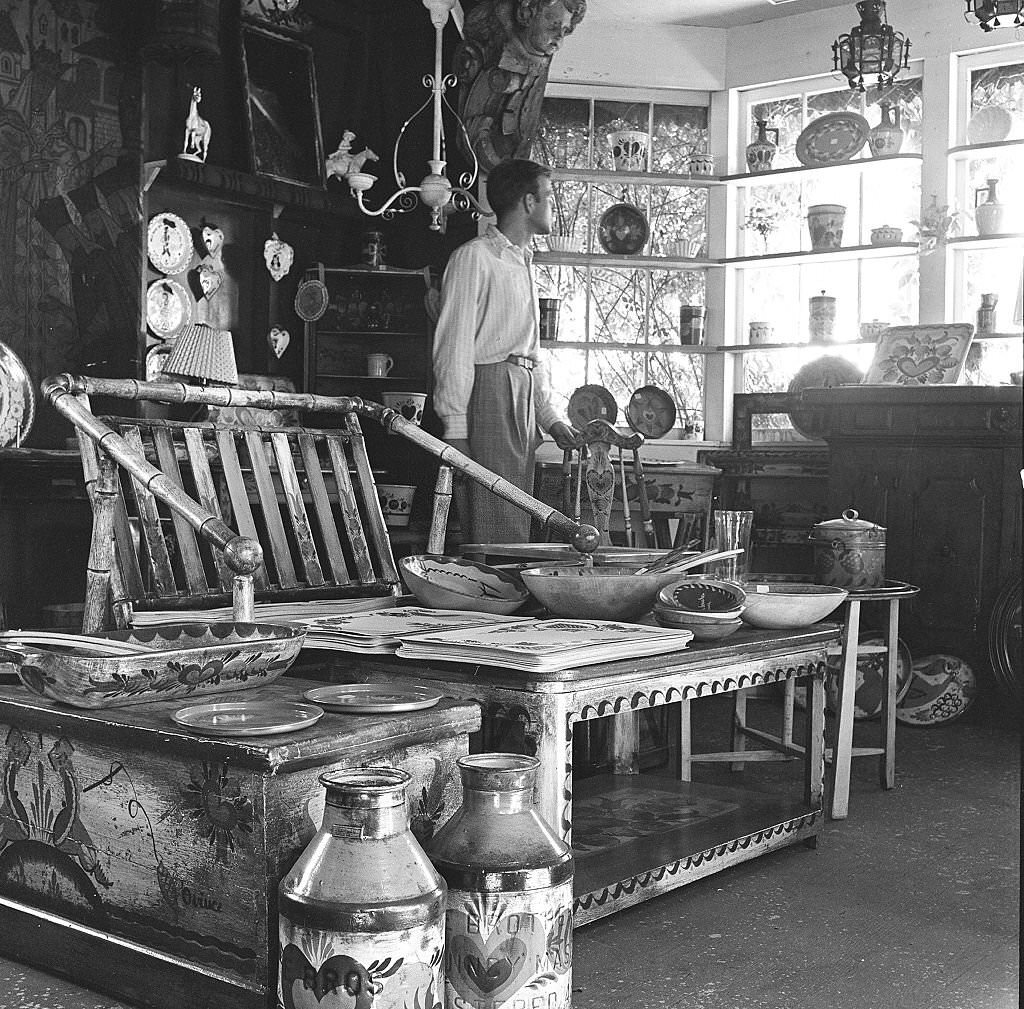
(203, 354)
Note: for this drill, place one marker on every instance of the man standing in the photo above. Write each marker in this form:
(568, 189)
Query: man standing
(490, 389)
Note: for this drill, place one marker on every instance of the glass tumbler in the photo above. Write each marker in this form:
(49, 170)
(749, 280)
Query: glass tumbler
(732, 530)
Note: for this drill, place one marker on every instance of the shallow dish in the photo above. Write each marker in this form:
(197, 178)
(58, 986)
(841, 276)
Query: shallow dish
(780, 605)
(247, 718)
(373, 698)
(712, 596)
(455, 583)
(691, 617)
(713, 631)
(181, 660)
(595, 593)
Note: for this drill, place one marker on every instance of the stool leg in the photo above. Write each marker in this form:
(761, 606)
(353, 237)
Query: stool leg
(685, 741)
(887, 762)
(739, 722)
(842, 751)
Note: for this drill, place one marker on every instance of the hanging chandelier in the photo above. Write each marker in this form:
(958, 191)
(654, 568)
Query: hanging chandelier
(435, 190)
(988, 12)
(872, 48)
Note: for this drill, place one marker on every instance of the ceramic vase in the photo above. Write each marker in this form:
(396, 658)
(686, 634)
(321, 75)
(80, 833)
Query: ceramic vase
(988, 216)
(822, 317)
(361, 913)
(629, 150)
(761, 151)
(887, 136)
(825, 223)
(987, 313)
(508, 928)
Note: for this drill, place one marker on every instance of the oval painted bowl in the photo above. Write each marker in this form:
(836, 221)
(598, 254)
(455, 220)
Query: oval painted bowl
(782, 605)
(181, 660)
(612, 592)
(703, 595)
(455, 583)
(696, 617)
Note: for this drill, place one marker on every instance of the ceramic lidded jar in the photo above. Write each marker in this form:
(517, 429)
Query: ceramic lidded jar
(361, 913)
(509, 875)
(849, 552)
(821, 317)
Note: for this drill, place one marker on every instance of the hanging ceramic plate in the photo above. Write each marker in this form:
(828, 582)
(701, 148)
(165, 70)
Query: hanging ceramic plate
(623, 230)
(651, 411)
(821, 373)
(156, 358)
(17, 399)
(989, 126)
(832, 138)
(169, 243)
(373, 698)
(247, 718)
(168, 307)
(942, 688)
(591, 402)
(311, 300)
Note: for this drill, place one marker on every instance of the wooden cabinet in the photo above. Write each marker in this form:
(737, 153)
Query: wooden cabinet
(939, 467)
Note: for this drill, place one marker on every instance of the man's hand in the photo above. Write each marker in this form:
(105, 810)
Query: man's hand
(566, 437)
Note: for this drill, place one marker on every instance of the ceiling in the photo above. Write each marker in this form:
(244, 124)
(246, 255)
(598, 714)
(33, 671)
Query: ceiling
(708, 13)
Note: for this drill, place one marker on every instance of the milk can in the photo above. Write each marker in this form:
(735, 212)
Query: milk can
(509, 920)
(361, 913)
(849, 552)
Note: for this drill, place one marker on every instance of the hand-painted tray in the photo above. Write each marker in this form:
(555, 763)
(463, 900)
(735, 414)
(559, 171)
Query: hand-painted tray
(247, 718)
(17, 399)
(311, 300)
(623, 230)
(592, 402)
(373, 698)
(831, 139)
(650, 411)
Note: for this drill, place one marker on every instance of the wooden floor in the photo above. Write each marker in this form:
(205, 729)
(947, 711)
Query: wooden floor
(911, 903)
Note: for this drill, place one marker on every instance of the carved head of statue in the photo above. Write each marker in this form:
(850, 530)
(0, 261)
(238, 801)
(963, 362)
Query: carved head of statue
(543, 24)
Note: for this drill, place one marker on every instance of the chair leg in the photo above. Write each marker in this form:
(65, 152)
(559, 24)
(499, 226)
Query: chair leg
(788, 702)
(685, 741)
(887, 761)
(842, 751)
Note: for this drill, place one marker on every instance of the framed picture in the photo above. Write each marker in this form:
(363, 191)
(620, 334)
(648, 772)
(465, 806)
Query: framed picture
(281, 107)
(920, 355)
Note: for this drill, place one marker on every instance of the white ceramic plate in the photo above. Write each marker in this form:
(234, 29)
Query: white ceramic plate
(17, 399)
(247, 718)
(373, 698)
(169, 243)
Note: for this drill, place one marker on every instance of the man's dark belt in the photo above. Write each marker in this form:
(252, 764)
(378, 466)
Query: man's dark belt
(524, 362)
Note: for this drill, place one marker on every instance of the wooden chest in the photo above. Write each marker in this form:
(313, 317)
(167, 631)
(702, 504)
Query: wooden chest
(143, 860)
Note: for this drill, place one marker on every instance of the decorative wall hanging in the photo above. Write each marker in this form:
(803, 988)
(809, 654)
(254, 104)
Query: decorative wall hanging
(197, 131)
(17, 399)
(282, 107)
(988, 13)
(871, 49)
(623, 230)
(278, 340)
(168, 307)
(209, 279)
(311, 300)
(213, 240)
(831, 139)
(278, 256)
(169, 243)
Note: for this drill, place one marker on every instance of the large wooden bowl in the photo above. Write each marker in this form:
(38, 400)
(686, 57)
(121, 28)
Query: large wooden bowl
(610, 592)
(784, 605)
(181, 660)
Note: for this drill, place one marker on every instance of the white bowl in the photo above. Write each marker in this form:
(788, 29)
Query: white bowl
(455, 583)
(779, 605)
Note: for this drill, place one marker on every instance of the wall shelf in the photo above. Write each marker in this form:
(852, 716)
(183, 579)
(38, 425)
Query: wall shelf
(965, 151)
(831, 255)
(634, 178)
(623, 262)
(784, 174)
(1010, 238)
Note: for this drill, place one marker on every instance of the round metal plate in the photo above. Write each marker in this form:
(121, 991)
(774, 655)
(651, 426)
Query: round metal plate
(623, 230)
(650, 411)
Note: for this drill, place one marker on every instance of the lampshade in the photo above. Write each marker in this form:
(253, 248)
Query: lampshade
(988, 12)
(872, 48)
(204, 354)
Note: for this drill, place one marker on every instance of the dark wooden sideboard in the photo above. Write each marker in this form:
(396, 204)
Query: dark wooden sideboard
(940, 468)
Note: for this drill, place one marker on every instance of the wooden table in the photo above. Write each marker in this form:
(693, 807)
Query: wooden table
(142, 860)
(705, 828)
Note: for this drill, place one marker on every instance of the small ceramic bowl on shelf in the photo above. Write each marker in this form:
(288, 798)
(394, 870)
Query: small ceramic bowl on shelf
(886, 235)
(562, 243)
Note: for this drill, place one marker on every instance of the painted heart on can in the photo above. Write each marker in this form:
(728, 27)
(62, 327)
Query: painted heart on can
(496, 967)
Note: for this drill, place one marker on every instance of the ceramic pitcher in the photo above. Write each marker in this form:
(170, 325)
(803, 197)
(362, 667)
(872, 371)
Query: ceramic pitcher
(761, 151)
(988, 216)
(886, 137)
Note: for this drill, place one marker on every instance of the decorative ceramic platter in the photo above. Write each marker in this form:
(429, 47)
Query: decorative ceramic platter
(920, 355)
(17, 399)
(311, 300)
(156, 358)
(651, 411)
(373, 698)
(823, 372)
(168, 307)
(247, 718)
(942, 688)
(989, 126)
(832, 138)
(169, 243)
(592, 402)
(623, 230)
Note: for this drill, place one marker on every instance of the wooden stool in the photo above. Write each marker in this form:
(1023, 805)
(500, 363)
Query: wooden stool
(838, 777)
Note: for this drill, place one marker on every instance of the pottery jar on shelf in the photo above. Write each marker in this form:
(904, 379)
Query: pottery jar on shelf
(509, 920)
(988, 216)
(361, 913)
(886, 137)
(825, 223)
(822, 317)
(761, 151)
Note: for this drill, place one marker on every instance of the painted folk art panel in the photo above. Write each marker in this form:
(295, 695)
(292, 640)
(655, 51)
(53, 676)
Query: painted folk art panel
(179, 853)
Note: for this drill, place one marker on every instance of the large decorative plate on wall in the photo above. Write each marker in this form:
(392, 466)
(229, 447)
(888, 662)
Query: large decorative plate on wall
(832, 138)
(623, 230)
(17, 399)
(169, 243)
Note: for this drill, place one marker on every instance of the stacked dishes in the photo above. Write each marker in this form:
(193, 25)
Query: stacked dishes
(708, 607)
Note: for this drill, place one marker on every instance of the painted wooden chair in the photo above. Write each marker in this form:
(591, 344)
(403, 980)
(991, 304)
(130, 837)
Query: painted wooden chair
(198, 514)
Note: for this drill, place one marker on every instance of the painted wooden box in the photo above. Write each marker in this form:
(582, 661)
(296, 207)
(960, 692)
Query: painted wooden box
(150, 857)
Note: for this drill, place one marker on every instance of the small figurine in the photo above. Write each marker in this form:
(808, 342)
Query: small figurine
(343, 162)
(197, 131)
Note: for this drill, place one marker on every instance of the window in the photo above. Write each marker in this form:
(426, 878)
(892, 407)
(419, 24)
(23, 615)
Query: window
(619, 323)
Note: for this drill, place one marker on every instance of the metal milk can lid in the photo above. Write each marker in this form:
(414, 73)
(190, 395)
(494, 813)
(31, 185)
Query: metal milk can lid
(850, 529)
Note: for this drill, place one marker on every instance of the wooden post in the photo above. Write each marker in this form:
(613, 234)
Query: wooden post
(103, 497)
(439, 516)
